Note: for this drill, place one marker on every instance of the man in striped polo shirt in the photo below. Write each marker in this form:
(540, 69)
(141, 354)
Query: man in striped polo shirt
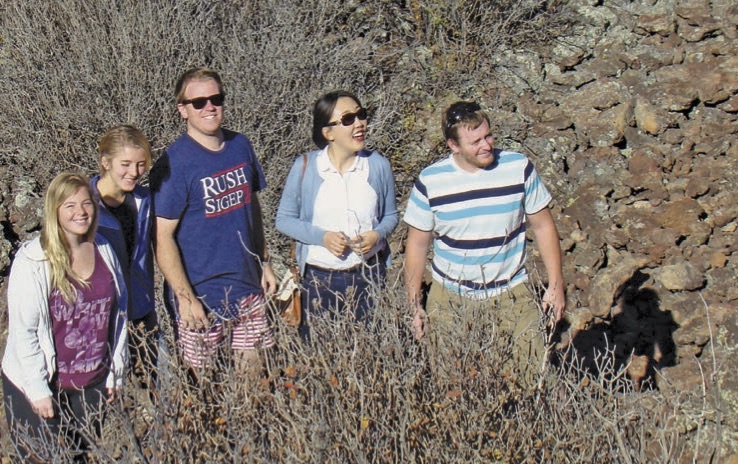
(474, 207)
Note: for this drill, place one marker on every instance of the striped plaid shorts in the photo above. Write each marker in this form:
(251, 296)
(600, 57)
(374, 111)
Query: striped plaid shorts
(249, 331)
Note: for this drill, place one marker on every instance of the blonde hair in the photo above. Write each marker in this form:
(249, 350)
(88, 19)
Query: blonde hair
(195, 74)
(119, 137)
(54, 241)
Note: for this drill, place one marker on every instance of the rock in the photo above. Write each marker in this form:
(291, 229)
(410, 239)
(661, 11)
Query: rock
(694, 332)
(647, 117)
(680, 276)
(696, 187)
(606, 283)
(670, 88)
(6, 248)
(688, 376)
(721, 282)
(600, 95)
(590, 210)
(643, 162)
(588, 257)
(27, 209)
(609, 128)
(678, 214)
(718, 259)
(662, 24)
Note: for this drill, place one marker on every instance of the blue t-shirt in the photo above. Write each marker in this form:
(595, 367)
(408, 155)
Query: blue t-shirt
(210, 194)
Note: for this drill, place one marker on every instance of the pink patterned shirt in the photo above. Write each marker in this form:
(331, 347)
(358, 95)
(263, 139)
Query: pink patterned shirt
(82, 329)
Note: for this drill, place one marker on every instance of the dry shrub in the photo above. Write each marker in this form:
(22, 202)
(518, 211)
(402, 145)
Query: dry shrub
(72, 68)
(375, 394)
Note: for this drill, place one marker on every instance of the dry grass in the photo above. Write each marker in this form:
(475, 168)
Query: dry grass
(375, 394)
(73, 68)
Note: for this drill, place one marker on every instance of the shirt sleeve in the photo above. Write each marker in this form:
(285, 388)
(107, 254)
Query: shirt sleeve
(169, 189)
(537, 196)
(26, 299)
(390, 216)
(288, 219)
(258, 181)
(418, 213)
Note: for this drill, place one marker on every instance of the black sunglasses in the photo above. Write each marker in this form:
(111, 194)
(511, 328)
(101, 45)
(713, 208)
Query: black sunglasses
(349, 118)
(200, 102)
(459, 112)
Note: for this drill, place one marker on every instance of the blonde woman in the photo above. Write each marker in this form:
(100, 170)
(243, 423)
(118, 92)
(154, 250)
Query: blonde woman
(125, 220)
(67, 341)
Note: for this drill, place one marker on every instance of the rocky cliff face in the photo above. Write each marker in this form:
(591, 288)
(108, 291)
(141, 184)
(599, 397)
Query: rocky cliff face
(635, 127)
(633, 123)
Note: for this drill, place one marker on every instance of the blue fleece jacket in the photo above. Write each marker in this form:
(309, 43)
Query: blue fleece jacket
(139, 270)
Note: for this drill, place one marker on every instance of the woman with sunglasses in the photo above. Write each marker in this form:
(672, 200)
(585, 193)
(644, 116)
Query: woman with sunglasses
(339, 206)
(67, 339)
(126, 222)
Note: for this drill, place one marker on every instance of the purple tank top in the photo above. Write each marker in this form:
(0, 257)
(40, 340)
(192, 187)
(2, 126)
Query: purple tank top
(82, 329)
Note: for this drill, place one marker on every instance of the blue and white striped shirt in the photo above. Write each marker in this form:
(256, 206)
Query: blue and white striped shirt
(478, 220)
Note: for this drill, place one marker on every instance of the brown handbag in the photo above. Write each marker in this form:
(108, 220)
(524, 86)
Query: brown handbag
(289, 288)
(288, 296)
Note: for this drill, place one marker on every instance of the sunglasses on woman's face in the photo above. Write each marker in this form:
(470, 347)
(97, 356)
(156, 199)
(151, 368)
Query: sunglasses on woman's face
(349, 118)
(200, 102)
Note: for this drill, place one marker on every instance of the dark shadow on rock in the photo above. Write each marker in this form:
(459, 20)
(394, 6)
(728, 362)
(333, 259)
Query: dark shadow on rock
(639, 338)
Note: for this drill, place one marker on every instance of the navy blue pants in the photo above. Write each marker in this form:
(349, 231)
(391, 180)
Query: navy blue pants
(332, 293)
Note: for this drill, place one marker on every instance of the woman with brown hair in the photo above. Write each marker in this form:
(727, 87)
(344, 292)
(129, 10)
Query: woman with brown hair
(339, 206)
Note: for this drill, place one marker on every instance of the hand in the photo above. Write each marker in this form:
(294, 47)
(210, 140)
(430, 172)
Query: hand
(335, 242)
(111, 395)
(191, 314)
(418, 323)
(554, 302)
(268, 280)
(363, 243)
(44, 407)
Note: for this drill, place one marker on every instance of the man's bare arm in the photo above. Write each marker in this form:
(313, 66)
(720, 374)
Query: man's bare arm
(547, 239)
(191, 312)
(416, 252)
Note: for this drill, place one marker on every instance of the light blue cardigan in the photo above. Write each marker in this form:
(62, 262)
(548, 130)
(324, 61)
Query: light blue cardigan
(295, 213)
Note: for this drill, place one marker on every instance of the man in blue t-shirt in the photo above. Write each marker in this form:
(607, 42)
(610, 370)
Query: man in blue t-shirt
(210, 242)
(474, 206)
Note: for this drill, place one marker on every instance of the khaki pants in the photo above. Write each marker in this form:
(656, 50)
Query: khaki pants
(458, 326)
